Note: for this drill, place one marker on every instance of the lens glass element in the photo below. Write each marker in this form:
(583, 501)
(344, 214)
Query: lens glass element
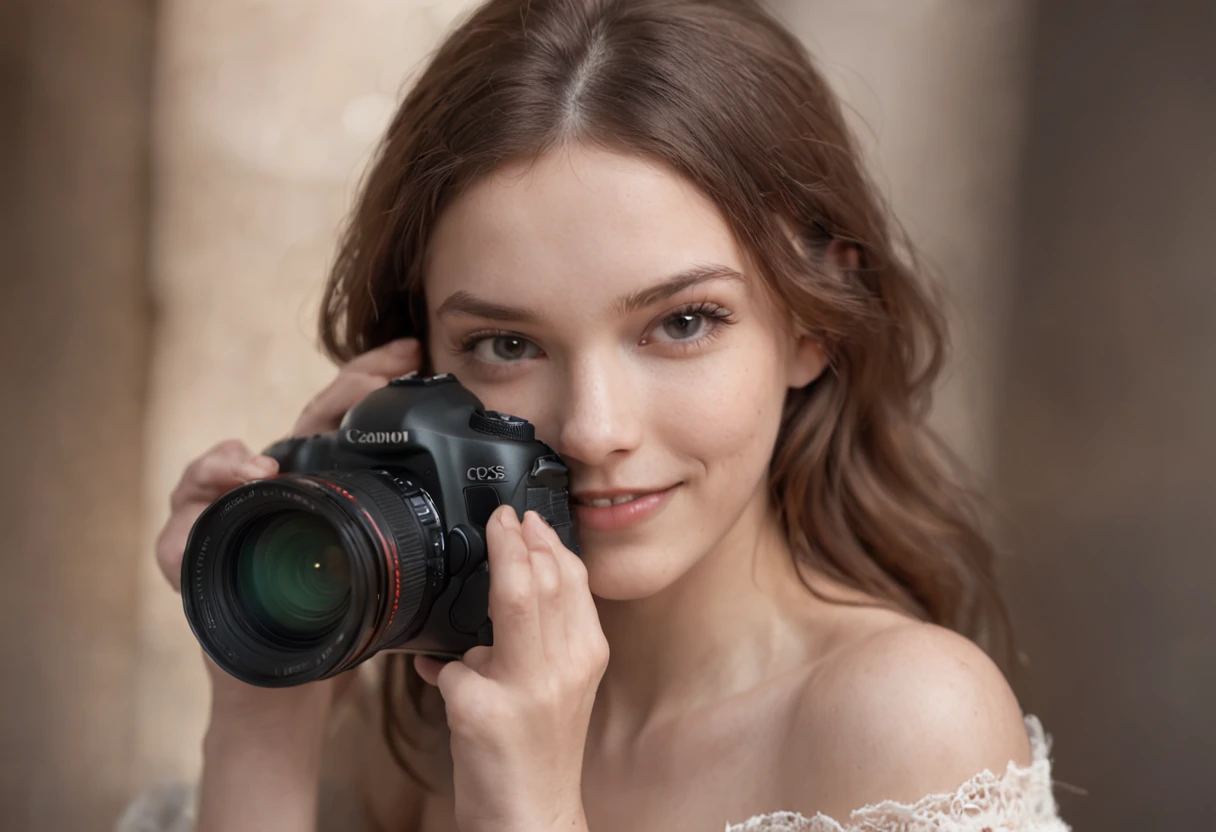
(293, 575)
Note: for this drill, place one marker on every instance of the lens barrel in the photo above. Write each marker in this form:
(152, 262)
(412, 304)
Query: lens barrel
(303, 576)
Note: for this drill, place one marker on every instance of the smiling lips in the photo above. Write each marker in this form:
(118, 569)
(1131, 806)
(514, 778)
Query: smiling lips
(597, 496)
(615, 510)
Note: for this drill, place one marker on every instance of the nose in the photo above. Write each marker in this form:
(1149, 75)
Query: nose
(601, 416)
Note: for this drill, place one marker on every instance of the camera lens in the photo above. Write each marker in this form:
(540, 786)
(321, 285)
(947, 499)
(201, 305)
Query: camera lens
(292, 575)
(303, 576)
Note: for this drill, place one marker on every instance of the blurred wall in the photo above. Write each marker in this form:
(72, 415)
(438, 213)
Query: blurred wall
(1107, 405)
(73, 351)
(935, 90)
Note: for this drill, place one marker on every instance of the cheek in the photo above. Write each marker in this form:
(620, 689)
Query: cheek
(719, 431)
(728, 419)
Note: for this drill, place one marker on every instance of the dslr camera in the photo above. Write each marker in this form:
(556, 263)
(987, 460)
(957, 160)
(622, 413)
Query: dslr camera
(371, 537)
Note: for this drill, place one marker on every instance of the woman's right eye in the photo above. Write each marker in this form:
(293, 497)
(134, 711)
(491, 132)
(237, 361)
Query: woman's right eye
(490, 348)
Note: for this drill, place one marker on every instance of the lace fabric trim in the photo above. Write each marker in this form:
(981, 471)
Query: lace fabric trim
(1020, 800)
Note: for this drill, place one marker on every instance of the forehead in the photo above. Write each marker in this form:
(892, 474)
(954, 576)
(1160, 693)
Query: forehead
(578, 219)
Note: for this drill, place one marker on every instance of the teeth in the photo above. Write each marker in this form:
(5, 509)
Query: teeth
(615, 501)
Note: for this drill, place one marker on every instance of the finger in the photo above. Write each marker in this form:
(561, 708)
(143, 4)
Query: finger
(392, 359)
(229, 451)
(585, 632)
(517, 637)
(477, 657)
(457, 681)
(325, 410)
(361, 375)
(547, 584)
(213, 474)
(428, 668)
(224, 467)
(171, 545)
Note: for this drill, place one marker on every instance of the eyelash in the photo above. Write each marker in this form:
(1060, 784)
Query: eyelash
(718, 317)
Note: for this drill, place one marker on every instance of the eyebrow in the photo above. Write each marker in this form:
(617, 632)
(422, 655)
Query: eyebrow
(463, 302)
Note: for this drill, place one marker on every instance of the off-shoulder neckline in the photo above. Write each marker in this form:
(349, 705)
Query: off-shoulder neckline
(1025, 789)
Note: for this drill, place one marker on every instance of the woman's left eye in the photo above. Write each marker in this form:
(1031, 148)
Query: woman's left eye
(688, 327)
(695, 323)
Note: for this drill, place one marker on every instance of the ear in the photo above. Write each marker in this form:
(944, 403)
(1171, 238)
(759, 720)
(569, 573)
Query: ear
(806, 363)
(809, 355)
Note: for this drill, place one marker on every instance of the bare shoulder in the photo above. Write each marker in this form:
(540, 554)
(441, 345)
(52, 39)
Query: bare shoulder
(903, 710)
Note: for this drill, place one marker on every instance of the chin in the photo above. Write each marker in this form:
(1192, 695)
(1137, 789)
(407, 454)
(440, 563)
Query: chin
(628, 573)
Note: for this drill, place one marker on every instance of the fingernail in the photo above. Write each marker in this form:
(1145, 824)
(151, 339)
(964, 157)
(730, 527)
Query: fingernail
(509, 519)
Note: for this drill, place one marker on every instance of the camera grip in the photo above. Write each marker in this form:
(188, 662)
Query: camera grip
(553, 505)
(548, 496)
(284, 451)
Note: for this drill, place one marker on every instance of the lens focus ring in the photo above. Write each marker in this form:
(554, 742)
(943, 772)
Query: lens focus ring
(413, 535)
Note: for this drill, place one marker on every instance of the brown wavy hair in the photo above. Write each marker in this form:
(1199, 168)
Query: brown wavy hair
(723, 93)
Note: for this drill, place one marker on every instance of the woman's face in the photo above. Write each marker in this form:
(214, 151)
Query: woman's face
(548, 296)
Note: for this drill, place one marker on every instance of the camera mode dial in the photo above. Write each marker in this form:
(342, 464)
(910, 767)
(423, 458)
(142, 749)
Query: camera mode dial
(502, 425)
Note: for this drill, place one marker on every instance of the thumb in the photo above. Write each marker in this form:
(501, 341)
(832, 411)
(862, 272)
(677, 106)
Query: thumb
(454, 676)
(428, 668)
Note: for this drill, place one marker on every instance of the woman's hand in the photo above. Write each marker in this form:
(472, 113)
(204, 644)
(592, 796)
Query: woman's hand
(262, 752)
(519, 710)
(230, 464)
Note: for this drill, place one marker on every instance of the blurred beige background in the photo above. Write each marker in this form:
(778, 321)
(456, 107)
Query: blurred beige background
(174, 178)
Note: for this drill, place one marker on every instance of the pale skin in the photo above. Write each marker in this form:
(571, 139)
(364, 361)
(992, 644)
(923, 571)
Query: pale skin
(697, 681)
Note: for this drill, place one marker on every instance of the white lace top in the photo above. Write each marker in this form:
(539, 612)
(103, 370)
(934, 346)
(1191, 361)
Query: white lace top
(1018, 800)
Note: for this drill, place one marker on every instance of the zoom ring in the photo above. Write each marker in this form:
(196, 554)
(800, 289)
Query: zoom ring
(410, 535)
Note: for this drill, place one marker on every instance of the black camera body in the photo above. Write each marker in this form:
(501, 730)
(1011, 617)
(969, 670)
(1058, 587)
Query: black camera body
(371, 537)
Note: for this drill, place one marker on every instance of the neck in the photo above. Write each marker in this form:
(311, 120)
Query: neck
(726, 625)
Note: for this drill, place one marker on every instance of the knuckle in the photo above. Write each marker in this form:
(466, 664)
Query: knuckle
(169, 552)
(515, 601)
(229, 447)
(212, 470)
(313, 404)
(177, 497)
(548, 584)
(349, 373)
(578, 572)
(316, 414)
(163, 555)
(192, 471)
(598, 653)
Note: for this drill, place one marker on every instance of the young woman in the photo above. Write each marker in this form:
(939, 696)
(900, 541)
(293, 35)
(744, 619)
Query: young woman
(643, 226)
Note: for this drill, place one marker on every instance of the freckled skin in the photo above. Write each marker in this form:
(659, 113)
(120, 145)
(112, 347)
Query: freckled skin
(626, 400)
